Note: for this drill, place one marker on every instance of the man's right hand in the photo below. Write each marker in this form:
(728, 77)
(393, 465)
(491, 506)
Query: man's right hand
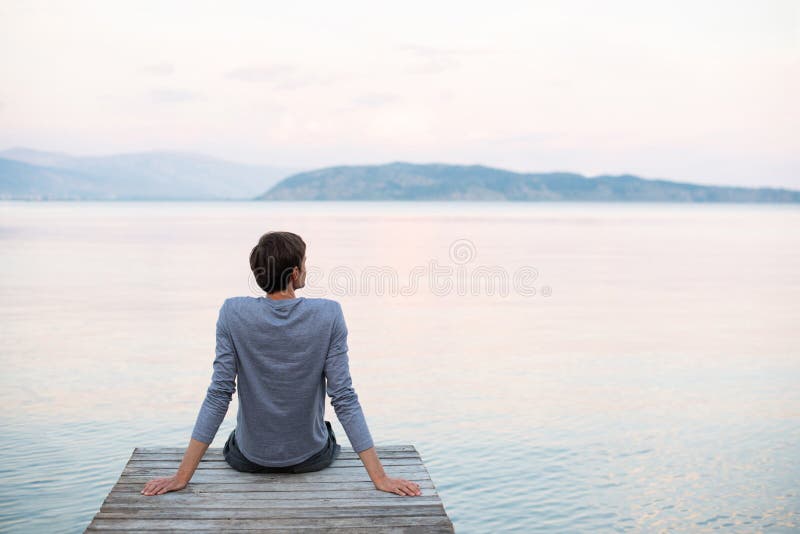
(383, 482)
(399, 486)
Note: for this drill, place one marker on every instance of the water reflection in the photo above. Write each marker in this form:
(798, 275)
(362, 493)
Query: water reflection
(656, 388)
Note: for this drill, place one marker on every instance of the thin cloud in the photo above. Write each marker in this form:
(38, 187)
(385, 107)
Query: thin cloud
(434, 60)
(160, 69)
(170, 96)
(375, 100)
(424, 50)
(524, 138)
(269, 73)
(280, 76)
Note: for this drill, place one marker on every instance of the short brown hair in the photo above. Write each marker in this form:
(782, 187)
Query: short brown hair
(274, 258)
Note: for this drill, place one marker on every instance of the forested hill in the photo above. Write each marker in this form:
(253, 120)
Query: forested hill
(408, 181)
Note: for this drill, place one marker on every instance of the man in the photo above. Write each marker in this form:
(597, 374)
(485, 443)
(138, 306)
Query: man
(284, 352)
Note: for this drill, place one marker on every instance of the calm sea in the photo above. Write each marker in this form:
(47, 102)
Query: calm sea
(560, 367)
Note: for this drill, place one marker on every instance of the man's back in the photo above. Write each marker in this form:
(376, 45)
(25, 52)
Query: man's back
(282, 351)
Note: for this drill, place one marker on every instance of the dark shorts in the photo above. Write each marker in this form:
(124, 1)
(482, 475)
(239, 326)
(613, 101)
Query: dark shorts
(318, 461)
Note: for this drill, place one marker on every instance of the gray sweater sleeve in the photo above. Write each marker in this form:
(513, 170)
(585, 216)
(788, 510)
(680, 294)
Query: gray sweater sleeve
(223, 385)
(340, 387)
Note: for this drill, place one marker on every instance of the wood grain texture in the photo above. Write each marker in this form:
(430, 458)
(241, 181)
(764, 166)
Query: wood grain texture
(340, 498)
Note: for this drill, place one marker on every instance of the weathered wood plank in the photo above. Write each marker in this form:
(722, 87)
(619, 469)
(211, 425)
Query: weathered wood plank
(148, 525)
(221, 475)
(379, 498)
(198, 503)
(333, 471)
(276, 494)
(181, 450)
(237, 487)
(337, 463)
(216, 455)
(221, 499)
(442, 529)
(114, 512)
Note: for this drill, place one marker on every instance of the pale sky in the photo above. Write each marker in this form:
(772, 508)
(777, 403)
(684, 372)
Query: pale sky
(702, 91)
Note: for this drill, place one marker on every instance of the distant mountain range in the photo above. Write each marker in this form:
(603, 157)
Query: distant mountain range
(35, 175)
(408, 181)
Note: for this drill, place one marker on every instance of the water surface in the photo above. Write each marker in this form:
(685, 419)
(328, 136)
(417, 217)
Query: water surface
(650, 382)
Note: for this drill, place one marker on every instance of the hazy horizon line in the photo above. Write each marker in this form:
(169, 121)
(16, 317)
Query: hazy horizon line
(298, 170)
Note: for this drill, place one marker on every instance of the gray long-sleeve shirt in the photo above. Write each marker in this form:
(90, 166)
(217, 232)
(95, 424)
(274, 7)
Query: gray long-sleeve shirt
(284, 355)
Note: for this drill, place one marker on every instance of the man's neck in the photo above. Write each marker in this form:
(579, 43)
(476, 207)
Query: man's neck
(288, 293)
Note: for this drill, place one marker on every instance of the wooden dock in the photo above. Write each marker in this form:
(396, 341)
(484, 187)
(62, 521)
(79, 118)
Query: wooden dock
(340, 498)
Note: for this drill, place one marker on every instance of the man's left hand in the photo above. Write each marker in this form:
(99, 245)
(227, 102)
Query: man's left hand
(157, 486)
